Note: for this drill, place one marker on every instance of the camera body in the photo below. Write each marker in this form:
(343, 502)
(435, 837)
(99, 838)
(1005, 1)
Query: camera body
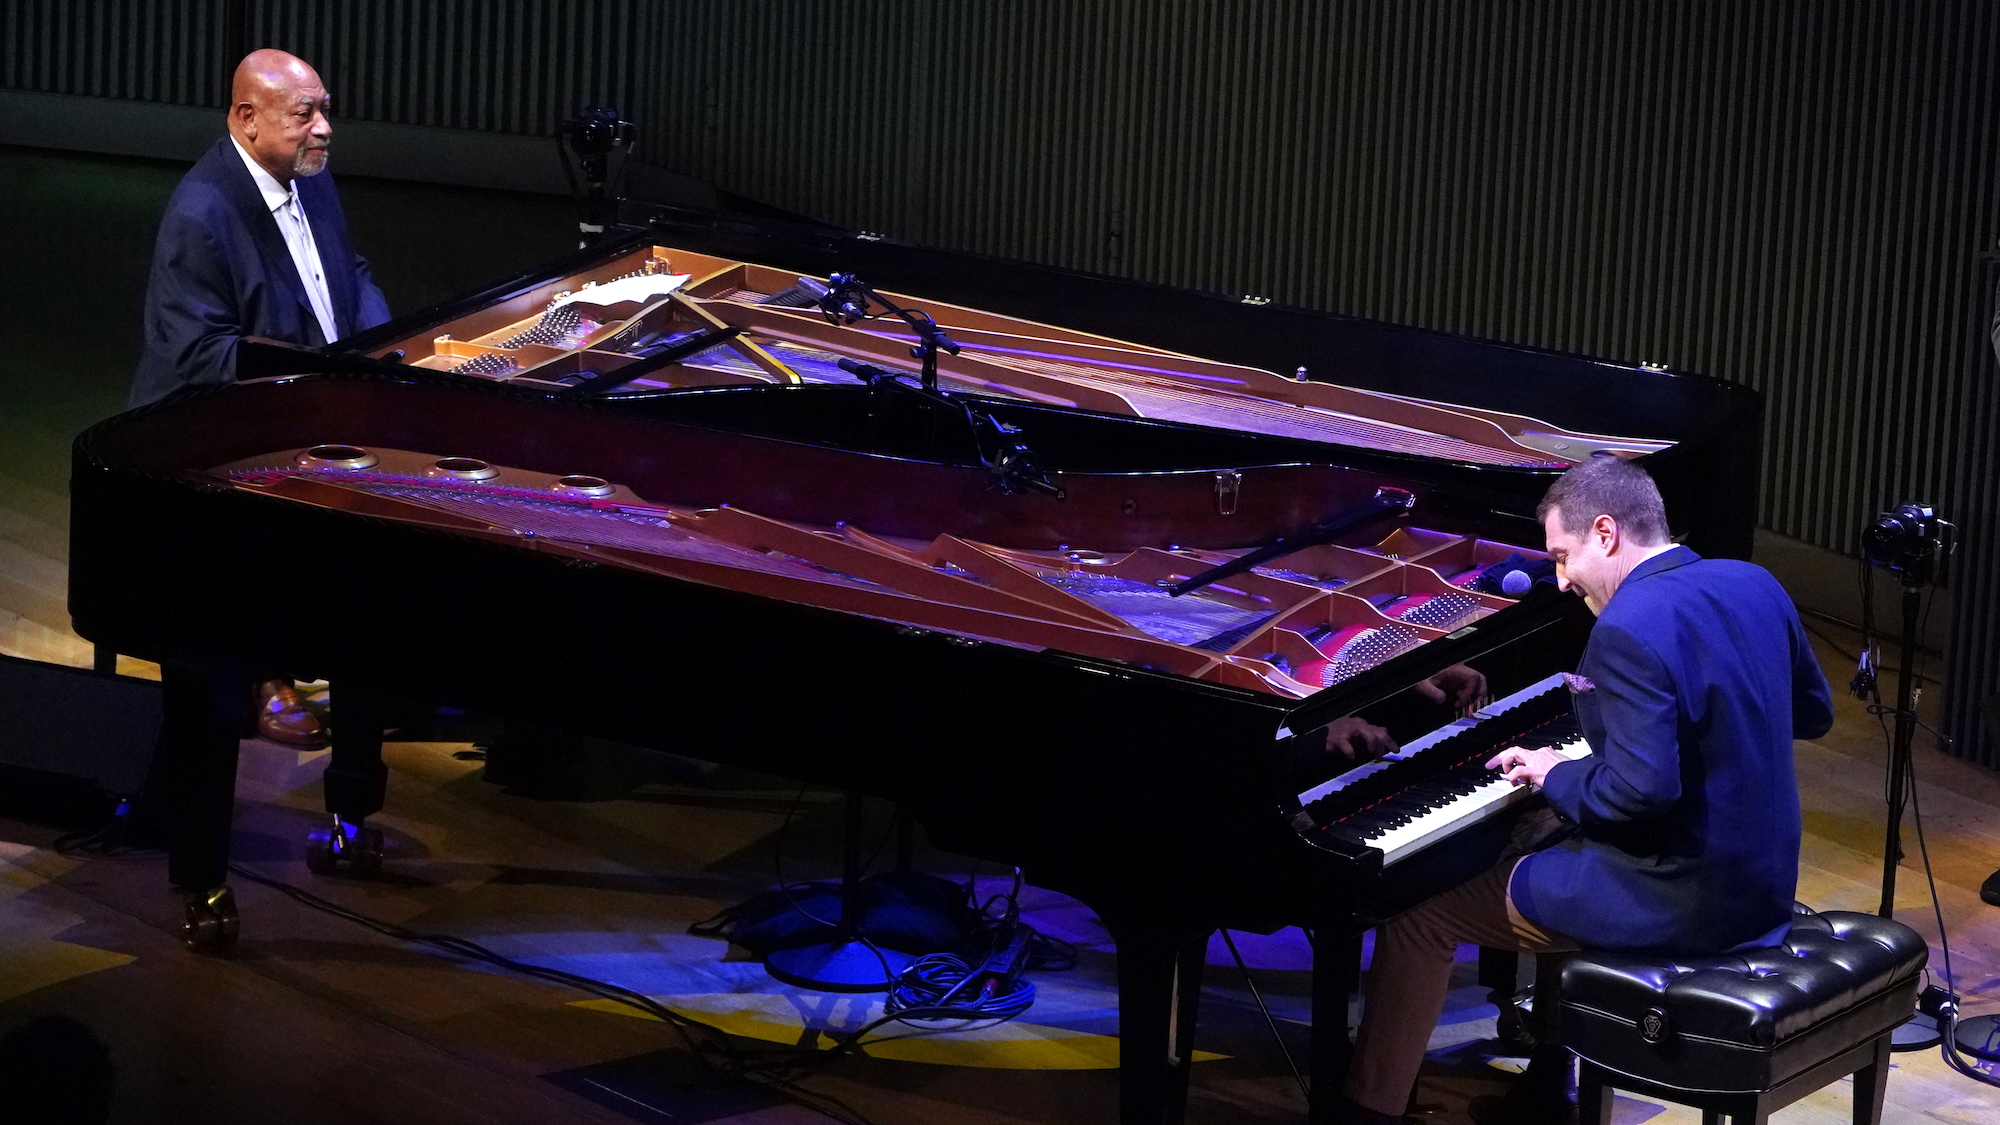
(596, 131)
(1908, 540)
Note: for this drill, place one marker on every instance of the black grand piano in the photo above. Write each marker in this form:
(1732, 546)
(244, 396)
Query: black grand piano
(655, 471)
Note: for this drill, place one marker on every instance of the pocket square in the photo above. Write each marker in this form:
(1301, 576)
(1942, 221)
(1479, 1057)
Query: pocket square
(1578, 684)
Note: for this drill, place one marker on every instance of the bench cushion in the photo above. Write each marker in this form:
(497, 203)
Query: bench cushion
(1743, 1021)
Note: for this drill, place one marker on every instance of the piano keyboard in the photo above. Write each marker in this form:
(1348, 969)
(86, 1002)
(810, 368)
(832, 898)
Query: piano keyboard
(1438, 785)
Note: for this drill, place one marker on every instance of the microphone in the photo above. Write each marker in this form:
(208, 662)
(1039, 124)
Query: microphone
(1516, 583)
(866, 372)
(843, 301)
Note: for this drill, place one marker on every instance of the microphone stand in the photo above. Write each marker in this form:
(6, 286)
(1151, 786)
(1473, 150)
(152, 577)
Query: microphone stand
(1013, 464)
(846, 302)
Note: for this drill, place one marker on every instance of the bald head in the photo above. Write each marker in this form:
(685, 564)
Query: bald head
(278, 113)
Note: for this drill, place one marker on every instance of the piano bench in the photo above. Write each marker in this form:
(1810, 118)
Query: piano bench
(1747, 1034)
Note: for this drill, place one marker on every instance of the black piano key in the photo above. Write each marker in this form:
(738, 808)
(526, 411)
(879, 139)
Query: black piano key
(1445, 771)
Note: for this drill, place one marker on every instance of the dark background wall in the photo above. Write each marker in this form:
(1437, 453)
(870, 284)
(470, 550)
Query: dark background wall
(1788, 194)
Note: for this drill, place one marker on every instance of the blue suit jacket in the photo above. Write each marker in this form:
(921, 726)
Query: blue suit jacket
(1688, 807)
(221, 272)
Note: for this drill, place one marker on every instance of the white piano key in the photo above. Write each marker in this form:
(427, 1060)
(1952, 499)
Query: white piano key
(1462, 812)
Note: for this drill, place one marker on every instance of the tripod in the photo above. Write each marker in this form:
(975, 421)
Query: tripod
(1908, 544)
(1905, 736)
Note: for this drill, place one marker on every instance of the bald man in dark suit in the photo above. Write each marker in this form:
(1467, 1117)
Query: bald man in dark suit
(254, 243)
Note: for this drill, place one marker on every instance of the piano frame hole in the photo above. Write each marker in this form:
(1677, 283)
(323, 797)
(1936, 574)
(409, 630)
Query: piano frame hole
(583, 484)
(463, 468)
(337, 456)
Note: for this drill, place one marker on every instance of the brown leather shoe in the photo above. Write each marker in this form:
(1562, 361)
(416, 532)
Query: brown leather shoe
(283, 718)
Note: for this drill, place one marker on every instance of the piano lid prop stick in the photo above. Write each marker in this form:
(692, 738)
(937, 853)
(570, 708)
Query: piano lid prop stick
(639, 369)
(1386, 502)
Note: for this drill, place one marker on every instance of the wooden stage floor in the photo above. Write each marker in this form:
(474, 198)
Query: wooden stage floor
(315, 1018)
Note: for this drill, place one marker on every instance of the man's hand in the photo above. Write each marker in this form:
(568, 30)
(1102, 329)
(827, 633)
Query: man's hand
(1525, 767)
(1460, 687)
(1356, 739)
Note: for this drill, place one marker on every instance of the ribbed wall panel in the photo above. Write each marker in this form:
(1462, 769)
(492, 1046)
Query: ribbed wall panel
(1786, 193)
(514, 66)
(169, 51)
(509, 66)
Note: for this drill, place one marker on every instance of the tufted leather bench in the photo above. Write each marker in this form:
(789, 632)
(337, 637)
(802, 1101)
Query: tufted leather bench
(1744, 1034)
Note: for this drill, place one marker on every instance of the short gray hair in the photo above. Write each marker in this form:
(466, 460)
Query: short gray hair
(1608, 485)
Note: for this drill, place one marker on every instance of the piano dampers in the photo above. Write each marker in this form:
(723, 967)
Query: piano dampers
(337, 457)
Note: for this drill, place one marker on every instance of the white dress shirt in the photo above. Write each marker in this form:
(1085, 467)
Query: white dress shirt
(291, 217)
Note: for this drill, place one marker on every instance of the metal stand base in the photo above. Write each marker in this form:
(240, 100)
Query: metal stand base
(846, 966)
(1918, 1033)
(1979, 1037)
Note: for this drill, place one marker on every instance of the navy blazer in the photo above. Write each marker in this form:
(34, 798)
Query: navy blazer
(221, 272)
(1697, 678)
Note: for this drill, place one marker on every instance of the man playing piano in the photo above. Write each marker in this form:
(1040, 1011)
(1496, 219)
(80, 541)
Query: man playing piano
(254, 243)
(1682, 824)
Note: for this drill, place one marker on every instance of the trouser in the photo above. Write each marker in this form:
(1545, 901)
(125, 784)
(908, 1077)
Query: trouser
(1411, 973)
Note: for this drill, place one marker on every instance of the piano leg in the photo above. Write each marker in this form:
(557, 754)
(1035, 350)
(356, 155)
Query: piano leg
(1159, 989)
(1336, 978)
(355, 783)
(206, 707)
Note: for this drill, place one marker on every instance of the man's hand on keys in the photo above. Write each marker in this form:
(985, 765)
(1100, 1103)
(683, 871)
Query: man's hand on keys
(1525, 767)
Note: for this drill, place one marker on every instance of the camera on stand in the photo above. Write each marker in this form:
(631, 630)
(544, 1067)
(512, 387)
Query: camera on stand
(1909, 541)
(592, 137)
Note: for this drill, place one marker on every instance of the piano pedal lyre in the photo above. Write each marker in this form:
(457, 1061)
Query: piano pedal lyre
(344, 849)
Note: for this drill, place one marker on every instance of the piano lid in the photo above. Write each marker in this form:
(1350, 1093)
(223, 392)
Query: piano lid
(584, 325)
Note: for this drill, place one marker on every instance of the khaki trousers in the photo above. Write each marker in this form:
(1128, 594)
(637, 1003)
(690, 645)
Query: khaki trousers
(1411, 973)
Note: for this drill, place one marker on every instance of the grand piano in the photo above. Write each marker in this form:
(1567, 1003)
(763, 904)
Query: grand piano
(667, 469)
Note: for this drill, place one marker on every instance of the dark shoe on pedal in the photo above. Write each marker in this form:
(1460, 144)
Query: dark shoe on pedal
(284, 719)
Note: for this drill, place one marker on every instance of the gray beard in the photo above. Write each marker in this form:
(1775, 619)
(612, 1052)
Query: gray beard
(304, 158)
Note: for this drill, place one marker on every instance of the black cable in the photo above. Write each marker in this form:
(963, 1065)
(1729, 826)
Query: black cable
(765, 1066)
(106, 842)
(737, 1063)
(1834, 643)
(1304, 1090)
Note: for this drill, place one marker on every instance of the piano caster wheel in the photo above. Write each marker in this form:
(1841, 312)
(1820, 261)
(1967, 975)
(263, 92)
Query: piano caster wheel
(344, 849)
(209, 922)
